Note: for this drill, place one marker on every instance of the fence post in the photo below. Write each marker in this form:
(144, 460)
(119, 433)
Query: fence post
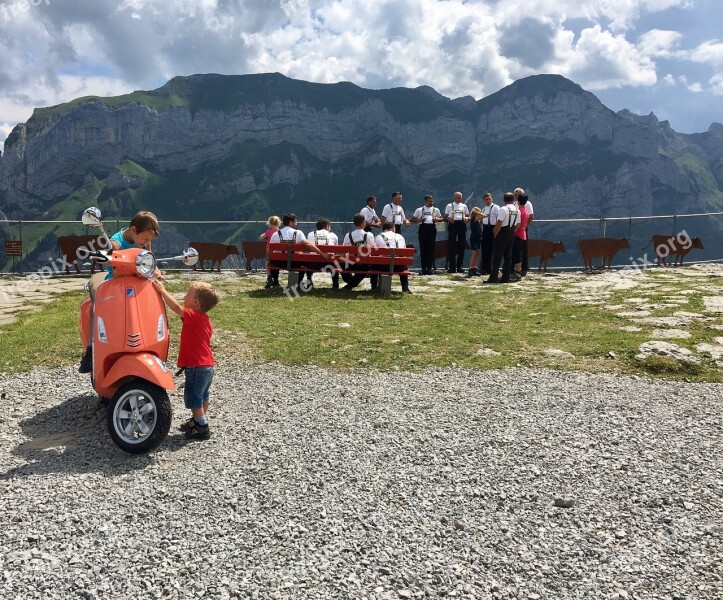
(20, 235)
(675, 224)
(604, 225)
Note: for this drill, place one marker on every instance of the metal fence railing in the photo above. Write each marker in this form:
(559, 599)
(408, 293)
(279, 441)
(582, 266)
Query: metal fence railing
(36, 241)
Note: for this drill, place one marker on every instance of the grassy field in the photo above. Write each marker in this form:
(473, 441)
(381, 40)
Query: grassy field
(446, 322)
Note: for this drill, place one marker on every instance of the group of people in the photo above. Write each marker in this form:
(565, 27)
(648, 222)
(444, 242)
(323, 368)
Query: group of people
(498, 236)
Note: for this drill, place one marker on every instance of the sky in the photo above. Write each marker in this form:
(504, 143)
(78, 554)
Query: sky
(661, 56)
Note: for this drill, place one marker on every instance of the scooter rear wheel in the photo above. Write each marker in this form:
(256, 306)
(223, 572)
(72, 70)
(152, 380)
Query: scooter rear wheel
(139, 416)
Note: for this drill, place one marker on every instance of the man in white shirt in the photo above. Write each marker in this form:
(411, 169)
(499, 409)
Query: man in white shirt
(323, 236)
(489, 210)
(370, 214)
(508, 220)
(456, 214)
(427, 216)
(289, 233)
(519, 192)
(394, 213)
(389, 239)
(358, 237)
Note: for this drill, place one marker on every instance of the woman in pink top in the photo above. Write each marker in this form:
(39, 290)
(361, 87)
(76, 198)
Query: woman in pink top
(518, 248)
(273, 226)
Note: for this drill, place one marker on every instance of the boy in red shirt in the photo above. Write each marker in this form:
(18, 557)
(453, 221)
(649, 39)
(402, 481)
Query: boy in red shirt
(194, 354)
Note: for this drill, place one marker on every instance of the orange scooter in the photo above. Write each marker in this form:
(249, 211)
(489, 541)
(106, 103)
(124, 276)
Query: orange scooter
(129, 331)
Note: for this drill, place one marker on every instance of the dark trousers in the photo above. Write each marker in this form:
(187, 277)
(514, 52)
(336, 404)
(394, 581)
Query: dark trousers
(502, 250)
(373, 279)
(488, 243)
(525, 260)
(427, 238)
(456, 239)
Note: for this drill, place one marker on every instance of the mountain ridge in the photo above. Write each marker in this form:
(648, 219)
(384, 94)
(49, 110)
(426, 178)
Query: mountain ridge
(246, 146)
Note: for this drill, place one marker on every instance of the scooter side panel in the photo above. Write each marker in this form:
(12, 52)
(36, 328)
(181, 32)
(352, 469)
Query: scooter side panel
(143, 365)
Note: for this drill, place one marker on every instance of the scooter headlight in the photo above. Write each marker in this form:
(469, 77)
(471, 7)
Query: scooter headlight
(146, 264)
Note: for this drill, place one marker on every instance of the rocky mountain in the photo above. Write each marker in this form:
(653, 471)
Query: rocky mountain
(243, 147)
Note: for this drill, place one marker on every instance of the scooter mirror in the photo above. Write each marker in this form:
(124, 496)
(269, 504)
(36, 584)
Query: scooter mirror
(91, 216)
(190, 257)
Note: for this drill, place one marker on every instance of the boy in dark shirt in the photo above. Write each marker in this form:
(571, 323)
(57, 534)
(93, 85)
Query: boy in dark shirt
(194, 354)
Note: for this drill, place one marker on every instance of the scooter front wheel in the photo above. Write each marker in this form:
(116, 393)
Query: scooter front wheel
(139, 416)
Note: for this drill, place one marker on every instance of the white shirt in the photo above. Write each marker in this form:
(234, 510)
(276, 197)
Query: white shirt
(322, 237)
(354, 238)
(427, 213)
(369, 214)
(393, 213)
(457, 211)
(509, 215)
(528, 206)
(287, 235)
(490, 213)
(389, 239)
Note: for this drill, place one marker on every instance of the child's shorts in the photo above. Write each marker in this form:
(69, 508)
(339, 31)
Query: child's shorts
(198, 386)
(475, 243)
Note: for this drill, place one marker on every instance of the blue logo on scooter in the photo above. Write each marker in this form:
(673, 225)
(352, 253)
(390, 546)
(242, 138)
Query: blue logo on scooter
(130, 292)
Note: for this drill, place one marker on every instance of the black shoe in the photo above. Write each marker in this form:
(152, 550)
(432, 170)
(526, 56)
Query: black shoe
(492, 281)
(471, 272)
(460, 270)
(523, 272)
(334, 286)
(86, 363)
(515, 277)
(406, 291)
(269, 284)
(198, 432)
(503, 280)
(348, 287)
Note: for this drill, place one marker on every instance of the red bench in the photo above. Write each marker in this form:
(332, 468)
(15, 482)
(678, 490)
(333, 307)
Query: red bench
(385, 262)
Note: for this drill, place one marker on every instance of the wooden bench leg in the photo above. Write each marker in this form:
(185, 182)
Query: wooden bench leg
(294, 280)
(385, 286)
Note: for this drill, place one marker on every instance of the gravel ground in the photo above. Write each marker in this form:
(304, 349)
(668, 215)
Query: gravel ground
(368, 484)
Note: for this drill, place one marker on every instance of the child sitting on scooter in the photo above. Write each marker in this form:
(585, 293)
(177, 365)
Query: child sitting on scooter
(194, 353)
(142, 230)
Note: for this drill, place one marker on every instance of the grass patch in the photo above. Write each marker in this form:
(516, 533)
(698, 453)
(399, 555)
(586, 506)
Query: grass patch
(429, 329)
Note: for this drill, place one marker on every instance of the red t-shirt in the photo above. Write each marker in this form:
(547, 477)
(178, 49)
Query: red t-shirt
(195, 348)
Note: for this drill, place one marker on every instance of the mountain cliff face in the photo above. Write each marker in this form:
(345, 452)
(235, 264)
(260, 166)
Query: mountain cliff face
(244, 147)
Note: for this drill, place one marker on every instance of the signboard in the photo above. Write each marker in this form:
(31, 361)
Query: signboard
(13, 248)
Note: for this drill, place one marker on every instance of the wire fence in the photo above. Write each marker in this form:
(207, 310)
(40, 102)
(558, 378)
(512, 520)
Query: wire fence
(32, 245)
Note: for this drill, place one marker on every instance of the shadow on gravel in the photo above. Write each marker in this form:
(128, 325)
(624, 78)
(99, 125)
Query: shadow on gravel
(71, 437)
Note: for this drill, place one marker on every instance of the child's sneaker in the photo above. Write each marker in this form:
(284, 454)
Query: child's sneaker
(198, 432)
(186, 425)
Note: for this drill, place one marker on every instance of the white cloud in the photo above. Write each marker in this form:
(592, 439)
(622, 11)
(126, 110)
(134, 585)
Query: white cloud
(5, 129)
(601, 60)
(710, 52)
(716, 84)
(658, 43)
(668, 80)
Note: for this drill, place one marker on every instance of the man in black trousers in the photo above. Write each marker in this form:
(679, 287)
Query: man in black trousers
(456, 215)
(489, 210)
(508, 220)
(427, 216)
